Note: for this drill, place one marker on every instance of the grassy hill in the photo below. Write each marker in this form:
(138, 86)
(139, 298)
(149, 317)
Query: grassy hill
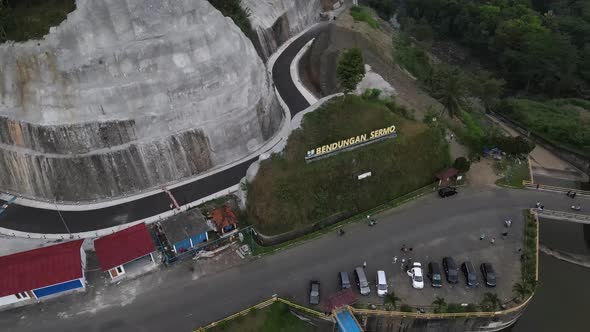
(289, 193)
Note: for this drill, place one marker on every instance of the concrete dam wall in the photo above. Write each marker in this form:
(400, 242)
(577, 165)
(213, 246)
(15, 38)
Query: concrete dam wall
(275, 21)
(128, 95)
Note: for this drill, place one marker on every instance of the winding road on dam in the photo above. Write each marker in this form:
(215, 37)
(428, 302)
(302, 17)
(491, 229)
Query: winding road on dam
(37, 220)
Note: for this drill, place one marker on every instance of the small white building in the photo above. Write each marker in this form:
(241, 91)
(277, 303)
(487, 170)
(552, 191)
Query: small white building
(39, 274)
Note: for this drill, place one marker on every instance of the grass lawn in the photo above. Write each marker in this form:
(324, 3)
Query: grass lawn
(289, 193)
(24, 20)
(514, 172)
(362, 14)
(274, 318)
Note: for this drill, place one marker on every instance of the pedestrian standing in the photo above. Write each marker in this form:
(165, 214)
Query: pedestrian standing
(482, 236)
(394, 259)
(519, 250)
(539, 204)
(537, 186)
(574, 194)
(493, 240)
(364, 264)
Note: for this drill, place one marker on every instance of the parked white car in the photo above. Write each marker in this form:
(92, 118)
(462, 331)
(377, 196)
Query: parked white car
(415, 272)
(381, 283)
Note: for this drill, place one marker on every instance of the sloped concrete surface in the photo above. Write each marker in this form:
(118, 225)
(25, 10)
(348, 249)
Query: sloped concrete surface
(128, 95)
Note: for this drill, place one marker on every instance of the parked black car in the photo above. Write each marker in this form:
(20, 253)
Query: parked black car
(314, 292)
(434, 274)
(470, 274)
(447, 191)
(450, 270)
(489, 275)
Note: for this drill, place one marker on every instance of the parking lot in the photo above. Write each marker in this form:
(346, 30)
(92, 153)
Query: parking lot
(430, 239)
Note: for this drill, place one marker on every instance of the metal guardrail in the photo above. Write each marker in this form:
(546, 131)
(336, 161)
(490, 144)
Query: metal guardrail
(560, 215)
(538, 186)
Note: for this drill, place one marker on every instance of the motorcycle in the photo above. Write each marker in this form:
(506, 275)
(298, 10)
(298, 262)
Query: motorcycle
(340, 232)
(576, 207)
(372, 223)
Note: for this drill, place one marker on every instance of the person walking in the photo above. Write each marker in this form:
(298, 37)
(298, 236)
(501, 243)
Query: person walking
(493, 240)
(482, 236)
(364, 264)
(394, 259)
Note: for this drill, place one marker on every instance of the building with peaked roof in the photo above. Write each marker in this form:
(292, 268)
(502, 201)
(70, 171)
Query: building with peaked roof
(225, 219)
(42, 273)
(446, 176)
(186, 231)
(127, 251)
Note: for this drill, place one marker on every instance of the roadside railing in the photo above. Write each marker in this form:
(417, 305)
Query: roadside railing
(560, 215)
(531, 185)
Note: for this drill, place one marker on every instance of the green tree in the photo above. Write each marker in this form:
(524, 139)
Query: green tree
(487, 88)
(450, 89)
(440, 304)
(462, 164)
(490, 302)
(521, 290)
(351, 69)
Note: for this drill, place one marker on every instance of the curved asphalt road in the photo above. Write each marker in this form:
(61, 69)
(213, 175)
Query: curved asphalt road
(36, 220)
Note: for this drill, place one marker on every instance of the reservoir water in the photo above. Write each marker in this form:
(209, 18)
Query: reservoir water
(562, 300)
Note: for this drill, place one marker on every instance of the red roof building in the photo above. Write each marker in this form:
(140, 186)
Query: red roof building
(225, 219)
(123, 247)
(446, 175)
(38, 268)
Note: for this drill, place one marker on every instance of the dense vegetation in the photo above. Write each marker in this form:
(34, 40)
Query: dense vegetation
(22, 20)
(234, 10)
(289, 193)
(361, 14)
(541, 47)
(351, 69)
(562, 121)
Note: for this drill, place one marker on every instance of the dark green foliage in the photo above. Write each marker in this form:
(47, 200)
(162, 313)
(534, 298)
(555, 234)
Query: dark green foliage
(384, 8)
(234, 10)
(462, 164)
(490, 302)
(289, 193)
(31, 19)
(449, 86)
(413, 58)
(361, 14)
(563, 121)
(511, 145)
(351, 69)
(406, 308)
(542, 52)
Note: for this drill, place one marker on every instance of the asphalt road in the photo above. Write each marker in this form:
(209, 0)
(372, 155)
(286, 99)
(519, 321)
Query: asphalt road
(178, 300)
(35, 220)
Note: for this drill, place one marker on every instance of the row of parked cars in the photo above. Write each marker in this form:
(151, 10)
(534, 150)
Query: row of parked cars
(451, 273)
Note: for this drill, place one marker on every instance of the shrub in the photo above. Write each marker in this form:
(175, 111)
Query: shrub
(361, 14)
(462, 164)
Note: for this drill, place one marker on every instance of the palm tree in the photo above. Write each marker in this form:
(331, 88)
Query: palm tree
(449, 89)
(521, 289)
(391, 300)
(490, 302)
(440, 304)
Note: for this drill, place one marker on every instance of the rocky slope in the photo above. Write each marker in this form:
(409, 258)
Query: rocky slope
(274, 21)
(128, 95)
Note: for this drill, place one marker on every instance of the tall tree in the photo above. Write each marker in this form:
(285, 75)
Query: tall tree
(487, 88)
(351, 69)
(450, 89)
